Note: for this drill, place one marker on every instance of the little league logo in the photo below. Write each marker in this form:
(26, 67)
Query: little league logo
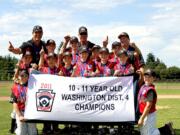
(44, 100)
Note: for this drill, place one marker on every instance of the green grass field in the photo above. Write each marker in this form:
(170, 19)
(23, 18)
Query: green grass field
(169, 109)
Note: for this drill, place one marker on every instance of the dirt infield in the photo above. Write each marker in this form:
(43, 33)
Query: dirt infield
(4, 98)
(168, 96)
(159, 97)
(167, 87)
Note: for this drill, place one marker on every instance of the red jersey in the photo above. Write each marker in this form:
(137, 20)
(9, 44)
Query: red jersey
(48, 70)
(84, 69)
(105, 69)
(45, 60)
(25, 66)
(143, 95)
(114, 59)
(67, 72)
(124, 69)
(19, 95)
(75, 58)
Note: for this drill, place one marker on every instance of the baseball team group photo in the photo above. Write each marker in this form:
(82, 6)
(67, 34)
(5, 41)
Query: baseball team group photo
(103, 77)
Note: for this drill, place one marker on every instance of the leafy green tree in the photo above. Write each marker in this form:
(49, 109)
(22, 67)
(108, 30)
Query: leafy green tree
(173, 73)
(150, 61)
(7, 67)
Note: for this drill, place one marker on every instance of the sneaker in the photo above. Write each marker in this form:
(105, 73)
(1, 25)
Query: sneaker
(170, 127)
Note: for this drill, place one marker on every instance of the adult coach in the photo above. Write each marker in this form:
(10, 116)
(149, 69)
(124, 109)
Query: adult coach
(132, 50)
(83, 38)
(136, 59)
(34, 45)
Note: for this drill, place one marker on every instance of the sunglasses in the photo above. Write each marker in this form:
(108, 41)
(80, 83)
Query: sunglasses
(84, 33)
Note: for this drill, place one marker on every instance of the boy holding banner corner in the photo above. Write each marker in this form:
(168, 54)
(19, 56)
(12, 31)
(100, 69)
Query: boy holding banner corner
(18, 98)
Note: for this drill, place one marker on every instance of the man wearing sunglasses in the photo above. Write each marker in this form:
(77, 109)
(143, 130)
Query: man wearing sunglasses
(83, 38)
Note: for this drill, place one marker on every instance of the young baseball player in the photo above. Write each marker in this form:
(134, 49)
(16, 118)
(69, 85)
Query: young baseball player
(51, 61)
(50, 69)
(95, 54)
(24, 63)
(18, 98)
(147, 99)
(74, 48)
(67, 69)
(83, 67)
(116, 46)
(123, 68)
(105, 67)
(50, 47)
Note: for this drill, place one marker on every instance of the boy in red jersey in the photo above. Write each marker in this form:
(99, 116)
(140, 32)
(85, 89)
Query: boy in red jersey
(147, 99)
(74, 49)
(105, 67)
(123, 67)
(24, 63)
(95, 54)
(50, 47)
(51, 61)
(50, 69)
(19, 98)
(83, 67)
(67, 69)
(116, 46)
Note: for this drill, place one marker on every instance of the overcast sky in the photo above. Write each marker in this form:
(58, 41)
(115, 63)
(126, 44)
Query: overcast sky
(153, 25)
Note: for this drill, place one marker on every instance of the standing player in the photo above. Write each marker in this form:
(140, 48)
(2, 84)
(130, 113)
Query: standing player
(147, 99)
(50, 69)
(18, 98)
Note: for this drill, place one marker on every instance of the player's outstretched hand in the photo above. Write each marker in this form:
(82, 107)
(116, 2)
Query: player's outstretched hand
(67, 38)
(42, 52)
(105, 41)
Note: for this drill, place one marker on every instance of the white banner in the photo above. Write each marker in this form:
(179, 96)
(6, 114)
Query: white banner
(79, 99)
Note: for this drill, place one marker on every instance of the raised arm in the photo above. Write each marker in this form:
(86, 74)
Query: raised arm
(66, 41)
(14, 50)
(41, 61)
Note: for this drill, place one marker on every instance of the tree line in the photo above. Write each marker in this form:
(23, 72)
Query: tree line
(7, 66)
(8, 63)
(162, 71)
